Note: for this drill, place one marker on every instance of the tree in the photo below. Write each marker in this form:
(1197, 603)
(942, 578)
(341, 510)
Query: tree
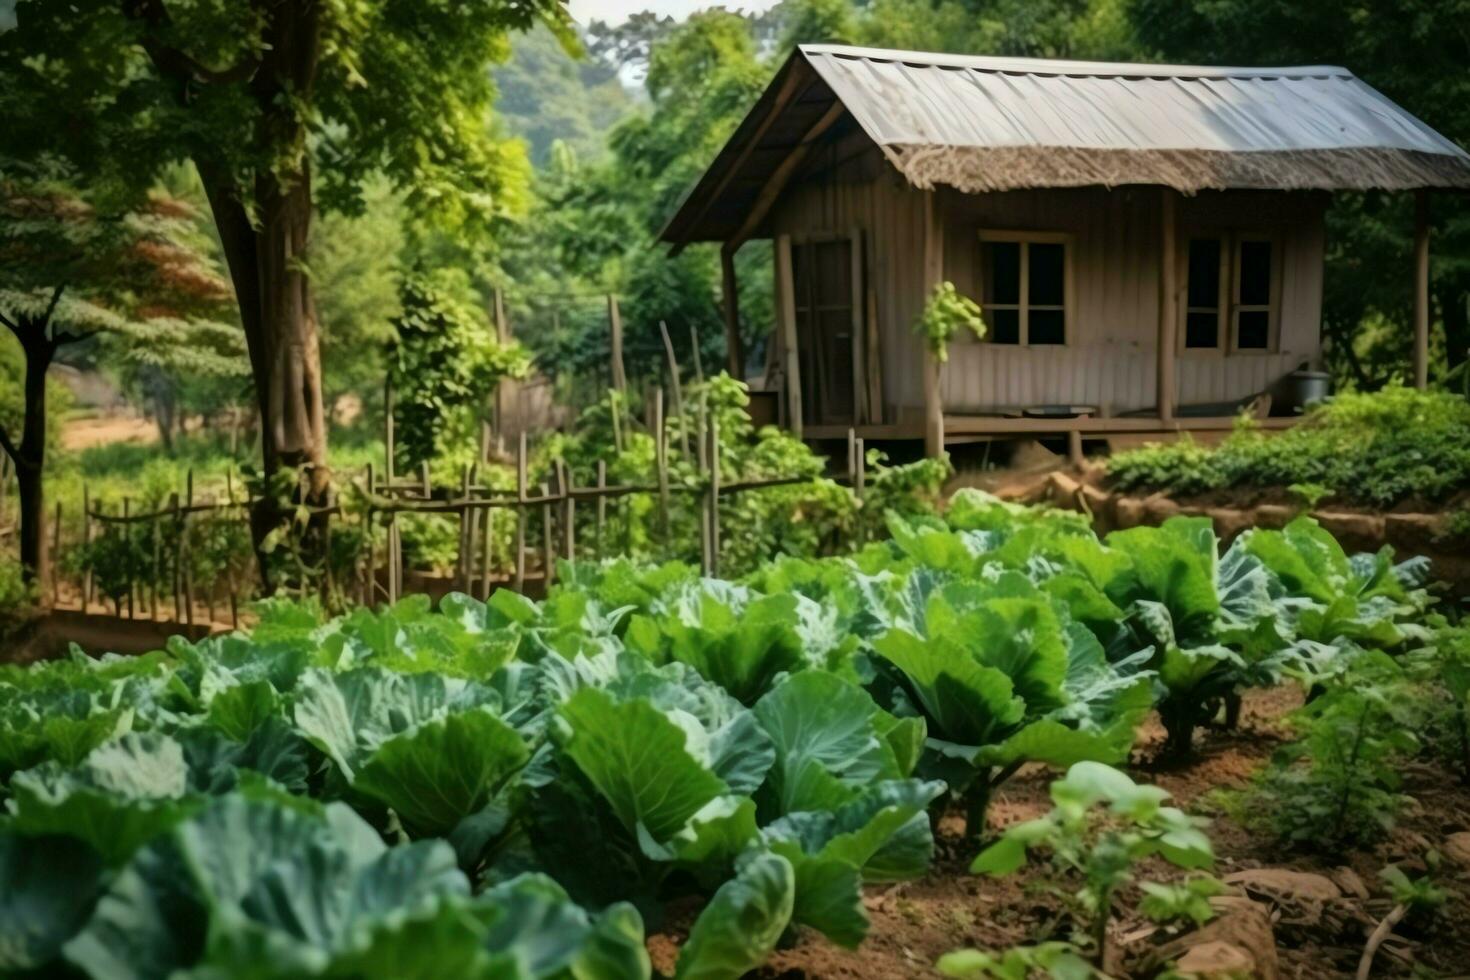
(281, 105)
(68, 271)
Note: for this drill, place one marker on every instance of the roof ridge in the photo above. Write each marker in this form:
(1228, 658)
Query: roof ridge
(1057, 66)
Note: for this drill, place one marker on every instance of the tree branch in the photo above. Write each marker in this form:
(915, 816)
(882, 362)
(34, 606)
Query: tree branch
(51, 306)
(7, 445)
(177, 63)
(10, 323)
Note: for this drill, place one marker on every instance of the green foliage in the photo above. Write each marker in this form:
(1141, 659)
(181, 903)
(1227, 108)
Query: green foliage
(446, 362)
(946, 313)
(1379, 449)
(1056, 960)
(1442, 669)
(1338, 784)
(17, 598)
(1101, 826)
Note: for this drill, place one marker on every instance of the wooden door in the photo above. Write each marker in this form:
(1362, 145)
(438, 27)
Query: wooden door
(828, 323)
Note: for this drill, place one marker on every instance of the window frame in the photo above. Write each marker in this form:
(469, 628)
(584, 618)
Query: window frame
(1023, 305)
(1227, 329)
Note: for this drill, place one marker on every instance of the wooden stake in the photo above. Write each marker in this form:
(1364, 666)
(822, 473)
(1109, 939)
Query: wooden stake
(178, 522)
(661, 461)
(548, 544)
(462, 572)
(127, 530)
(677, 388)
(188, 552)
(56, 557)
(698, 358)
(714, 494)
(569, 511)
(601, 507)
(486, 552)
(615, 326)
(520, 545)
(86, 544)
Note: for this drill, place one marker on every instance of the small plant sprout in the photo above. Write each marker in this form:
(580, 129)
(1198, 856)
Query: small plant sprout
(1055, 960)
(1412, 898)
(1101, 825)
(946, 313)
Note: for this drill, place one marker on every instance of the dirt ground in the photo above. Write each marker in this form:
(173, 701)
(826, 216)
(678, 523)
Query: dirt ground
(104, 430)
(914, 923)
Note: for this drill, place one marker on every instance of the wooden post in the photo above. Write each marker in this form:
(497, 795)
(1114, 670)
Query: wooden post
(487, 555)
(548, 540)
(859, 488)
(1168, 310)
(714, 494)
(157, 569)
(701, 440)
(466, 543)
(698, 357)
(178, 519)
(502, 396)
(676, 387)
(56, 557)
(601, 507)
(520, 543)
(730, 307)
(786, 319)
(370, 593)
(615, 325)
(661, 461)
(568, 511)
(86, 543)
(933, 367)
(127, 530)
(188, 556)
(1421, 289)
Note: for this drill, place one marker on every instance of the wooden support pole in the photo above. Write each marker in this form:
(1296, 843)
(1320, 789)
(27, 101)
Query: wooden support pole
(786, 319)
(487, 554)
(502, 395)
(701, 440)
(1165, 356)
(601, 508)
(859, 488)
(568, 511)
(178, 522)
(548, 540)
(615, 326)
(1421, 289)
(696, 355)
(466, 542)
(933, 367)
(56, 557)
(520, 542)
(661, 462)
(157, 569)
(188, 552)
(714, 494)
(86, 544)
(127, 530)
(676, 387)
(730, 307)
(370, 591)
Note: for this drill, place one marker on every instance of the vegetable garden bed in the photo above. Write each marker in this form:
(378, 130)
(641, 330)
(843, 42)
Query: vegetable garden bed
(652, 770)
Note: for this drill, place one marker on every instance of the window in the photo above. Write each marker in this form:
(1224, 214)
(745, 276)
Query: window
(1024, 287)
(1230, 293)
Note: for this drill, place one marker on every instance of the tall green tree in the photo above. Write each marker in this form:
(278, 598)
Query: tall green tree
(282, 106)
(71, 269)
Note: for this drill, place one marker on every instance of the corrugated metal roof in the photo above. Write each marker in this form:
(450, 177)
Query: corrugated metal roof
(991, 124)
(1334, 130)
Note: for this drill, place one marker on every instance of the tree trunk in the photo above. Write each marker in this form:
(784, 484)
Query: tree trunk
(30, 454)
(267, 256)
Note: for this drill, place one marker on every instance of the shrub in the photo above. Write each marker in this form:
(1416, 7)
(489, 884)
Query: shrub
(1377, 449)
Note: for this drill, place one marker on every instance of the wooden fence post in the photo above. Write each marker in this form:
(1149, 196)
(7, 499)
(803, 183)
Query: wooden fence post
(676, 388)
(520, 544)
(714, 494)
(86, 544)
(569, 511)
(698, 358)
(127, 530)
(548, 544)
(601, 507)
(56, 557)
(178, 562)
(615, 326)
(188, 552)
(661, 461)
(465, 560)
(487, 554)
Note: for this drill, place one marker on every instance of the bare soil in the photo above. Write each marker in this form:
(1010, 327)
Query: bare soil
(103, 430)
(916, 922)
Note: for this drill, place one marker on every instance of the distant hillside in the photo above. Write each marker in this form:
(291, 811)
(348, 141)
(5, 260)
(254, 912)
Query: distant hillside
(546, 95)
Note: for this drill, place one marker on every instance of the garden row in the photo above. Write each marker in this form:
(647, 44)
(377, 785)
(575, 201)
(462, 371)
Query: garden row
(520, 789)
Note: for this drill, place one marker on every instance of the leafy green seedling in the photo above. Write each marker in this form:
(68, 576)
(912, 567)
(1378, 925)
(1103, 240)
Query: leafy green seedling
(1101, 826)
(1059, 961)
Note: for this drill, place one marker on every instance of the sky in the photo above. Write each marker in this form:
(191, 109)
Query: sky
(617, 11)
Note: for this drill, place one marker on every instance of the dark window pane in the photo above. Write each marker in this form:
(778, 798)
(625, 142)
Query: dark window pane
(1048, 327)
(1201, 330)
(1204, 274)
(1255, 273)
(1047, 287)
(1003, 272)
(1004, 326)
(1255, 330)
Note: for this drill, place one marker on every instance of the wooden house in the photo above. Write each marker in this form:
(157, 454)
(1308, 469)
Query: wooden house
(1146, 241)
